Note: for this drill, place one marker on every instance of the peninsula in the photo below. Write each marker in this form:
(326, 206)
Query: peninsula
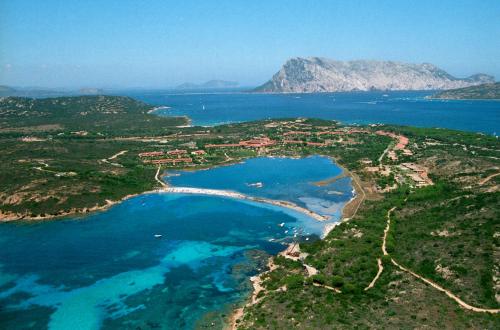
(490, 91)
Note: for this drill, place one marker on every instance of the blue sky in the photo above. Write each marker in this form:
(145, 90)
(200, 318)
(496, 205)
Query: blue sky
(160, 43)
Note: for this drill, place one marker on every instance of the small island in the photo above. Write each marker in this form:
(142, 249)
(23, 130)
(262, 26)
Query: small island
(481, 92)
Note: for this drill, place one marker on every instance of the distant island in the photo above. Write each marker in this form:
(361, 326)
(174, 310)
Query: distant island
(47, 92)
(479, 92)
(6, 89)
(91, 91)
(211, 84)
(315, 75)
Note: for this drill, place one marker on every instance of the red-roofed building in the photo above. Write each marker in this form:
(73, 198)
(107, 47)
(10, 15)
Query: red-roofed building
(171, 161)
(296, 133)
(253, 143)
(176, 152)
(151, 154)
(258, 142)
(316, 144)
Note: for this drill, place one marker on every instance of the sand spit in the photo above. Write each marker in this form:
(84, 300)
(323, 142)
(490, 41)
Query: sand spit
(236, 195)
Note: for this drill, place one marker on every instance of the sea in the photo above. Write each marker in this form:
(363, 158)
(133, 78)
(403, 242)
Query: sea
(391, 107)
(175, 261)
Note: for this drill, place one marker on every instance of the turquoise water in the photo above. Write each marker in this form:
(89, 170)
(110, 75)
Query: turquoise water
(286, 179)
(108, 270)
(403, 108)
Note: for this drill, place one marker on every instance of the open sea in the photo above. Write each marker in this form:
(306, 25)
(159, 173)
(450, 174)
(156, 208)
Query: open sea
(109, 271)
(402, 108)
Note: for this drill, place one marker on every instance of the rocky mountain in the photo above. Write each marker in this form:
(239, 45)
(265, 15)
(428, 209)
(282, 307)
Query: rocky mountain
(314, 74)
(212, 84)
(479, 92)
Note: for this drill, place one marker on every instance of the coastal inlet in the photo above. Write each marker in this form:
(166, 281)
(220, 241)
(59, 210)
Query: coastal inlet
(162, 259)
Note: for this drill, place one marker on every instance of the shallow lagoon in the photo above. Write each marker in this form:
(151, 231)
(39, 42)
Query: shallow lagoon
(108, 270)
(288, 179)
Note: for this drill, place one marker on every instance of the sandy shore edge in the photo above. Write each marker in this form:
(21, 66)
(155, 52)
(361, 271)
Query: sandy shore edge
(236, 195)
(348, 211)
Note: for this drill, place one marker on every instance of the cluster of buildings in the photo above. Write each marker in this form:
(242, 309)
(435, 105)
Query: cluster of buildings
(417, 173)
(173, 157)
(290, 137)
(402, 143)
(260, 142)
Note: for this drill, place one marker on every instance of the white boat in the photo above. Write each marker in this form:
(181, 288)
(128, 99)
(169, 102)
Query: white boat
(158, 236)
(256, 184)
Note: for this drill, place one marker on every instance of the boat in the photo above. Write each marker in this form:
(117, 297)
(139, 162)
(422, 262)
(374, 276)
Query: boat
(256, 184)
(158, 235)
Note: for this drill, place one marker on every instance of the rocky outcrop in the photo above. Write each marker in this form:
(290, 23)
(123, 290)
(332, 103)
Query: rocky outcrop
(314, 74)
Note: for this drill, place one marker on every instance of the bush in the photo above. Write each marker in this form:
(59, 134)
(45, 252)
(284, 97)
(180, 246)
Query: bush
(386, 260)
(337, 281)
(349, 288)
(294, 282)
(319, 278)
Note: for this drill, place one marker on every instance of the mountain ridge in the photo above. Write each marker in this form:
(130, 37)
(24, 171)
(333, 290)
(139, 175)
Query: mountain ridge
(317, 74)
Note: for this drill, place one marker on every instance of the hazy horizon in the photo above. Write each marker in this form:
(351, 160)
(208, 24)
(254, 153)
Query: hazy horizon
(161, 44)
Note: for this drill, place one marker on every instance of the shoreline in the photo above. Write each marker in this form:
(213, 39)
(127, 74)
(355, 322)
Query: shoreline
(456, 99)
(348, 211)
(236, 195)
(152, 111)
(8, 216)
(78, 212)
(13, 216)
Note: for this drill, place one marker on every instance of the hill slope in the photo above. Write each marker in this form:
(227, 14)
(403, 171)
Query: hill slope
(109, 115)
(483, 92)
(314, 74)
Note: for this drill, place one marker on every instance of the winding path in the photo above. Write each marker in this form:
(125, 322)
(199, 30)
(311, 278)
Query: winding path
(462, 303)
(118, 154)
(488, 178)
(379, 272)
(162, 183)
(384, 250)
(386, 231)
(384, 153)
(447, 292)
